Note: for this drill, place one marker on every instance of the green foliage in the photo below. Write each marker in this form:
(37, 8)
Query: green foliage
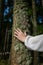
(3, 62)
(40, 29)
(29, 11)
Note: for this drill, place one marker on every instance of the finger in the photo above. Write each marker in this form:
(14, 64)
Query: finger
(18, 30)
(16, 36)
(16, 33)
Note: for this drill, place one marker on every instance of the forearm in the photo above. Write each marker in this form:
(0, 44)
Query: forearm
(34, 43)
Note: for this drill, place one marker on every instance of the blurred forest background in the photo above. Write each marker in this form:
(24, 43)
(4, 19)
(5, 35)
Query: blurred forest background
(33, 15)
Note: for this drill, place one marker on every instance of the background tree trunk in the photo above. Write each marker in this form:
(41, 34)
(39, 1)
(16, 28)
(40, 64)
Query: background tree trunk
(42, 3)
(1, 19)
(0, 14)
(35, 62)
(20, 55)
(34, 18)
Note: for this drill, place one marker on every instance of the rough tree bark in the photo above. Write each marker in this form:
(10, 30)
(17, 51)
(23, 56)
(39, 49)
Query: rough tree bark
(20, 55)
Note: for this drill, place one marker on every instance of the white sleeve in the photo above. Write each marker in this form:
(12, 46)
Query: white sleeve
(34, 42)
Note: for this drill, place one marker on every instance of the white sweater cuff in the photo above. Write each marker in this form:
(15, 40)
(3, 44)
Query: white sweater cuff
(26, 40)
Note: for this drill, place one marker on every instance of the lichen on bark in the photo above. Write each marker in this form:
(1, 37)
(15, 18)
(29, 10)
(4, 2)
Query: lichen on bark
(20, 20)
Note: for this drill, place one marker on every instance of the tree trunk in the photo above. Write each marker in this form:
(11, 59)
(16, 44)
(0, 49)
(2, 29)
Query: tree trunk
(4, 48)
(20, 55)
(35, 62)
(42, 3)
(1, 19)
(34, 18)
(0, 11)
(0, 16)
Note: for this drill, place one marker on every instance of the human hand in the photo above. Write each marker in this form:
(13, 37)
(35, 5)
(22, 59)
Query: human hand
(20, 35)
